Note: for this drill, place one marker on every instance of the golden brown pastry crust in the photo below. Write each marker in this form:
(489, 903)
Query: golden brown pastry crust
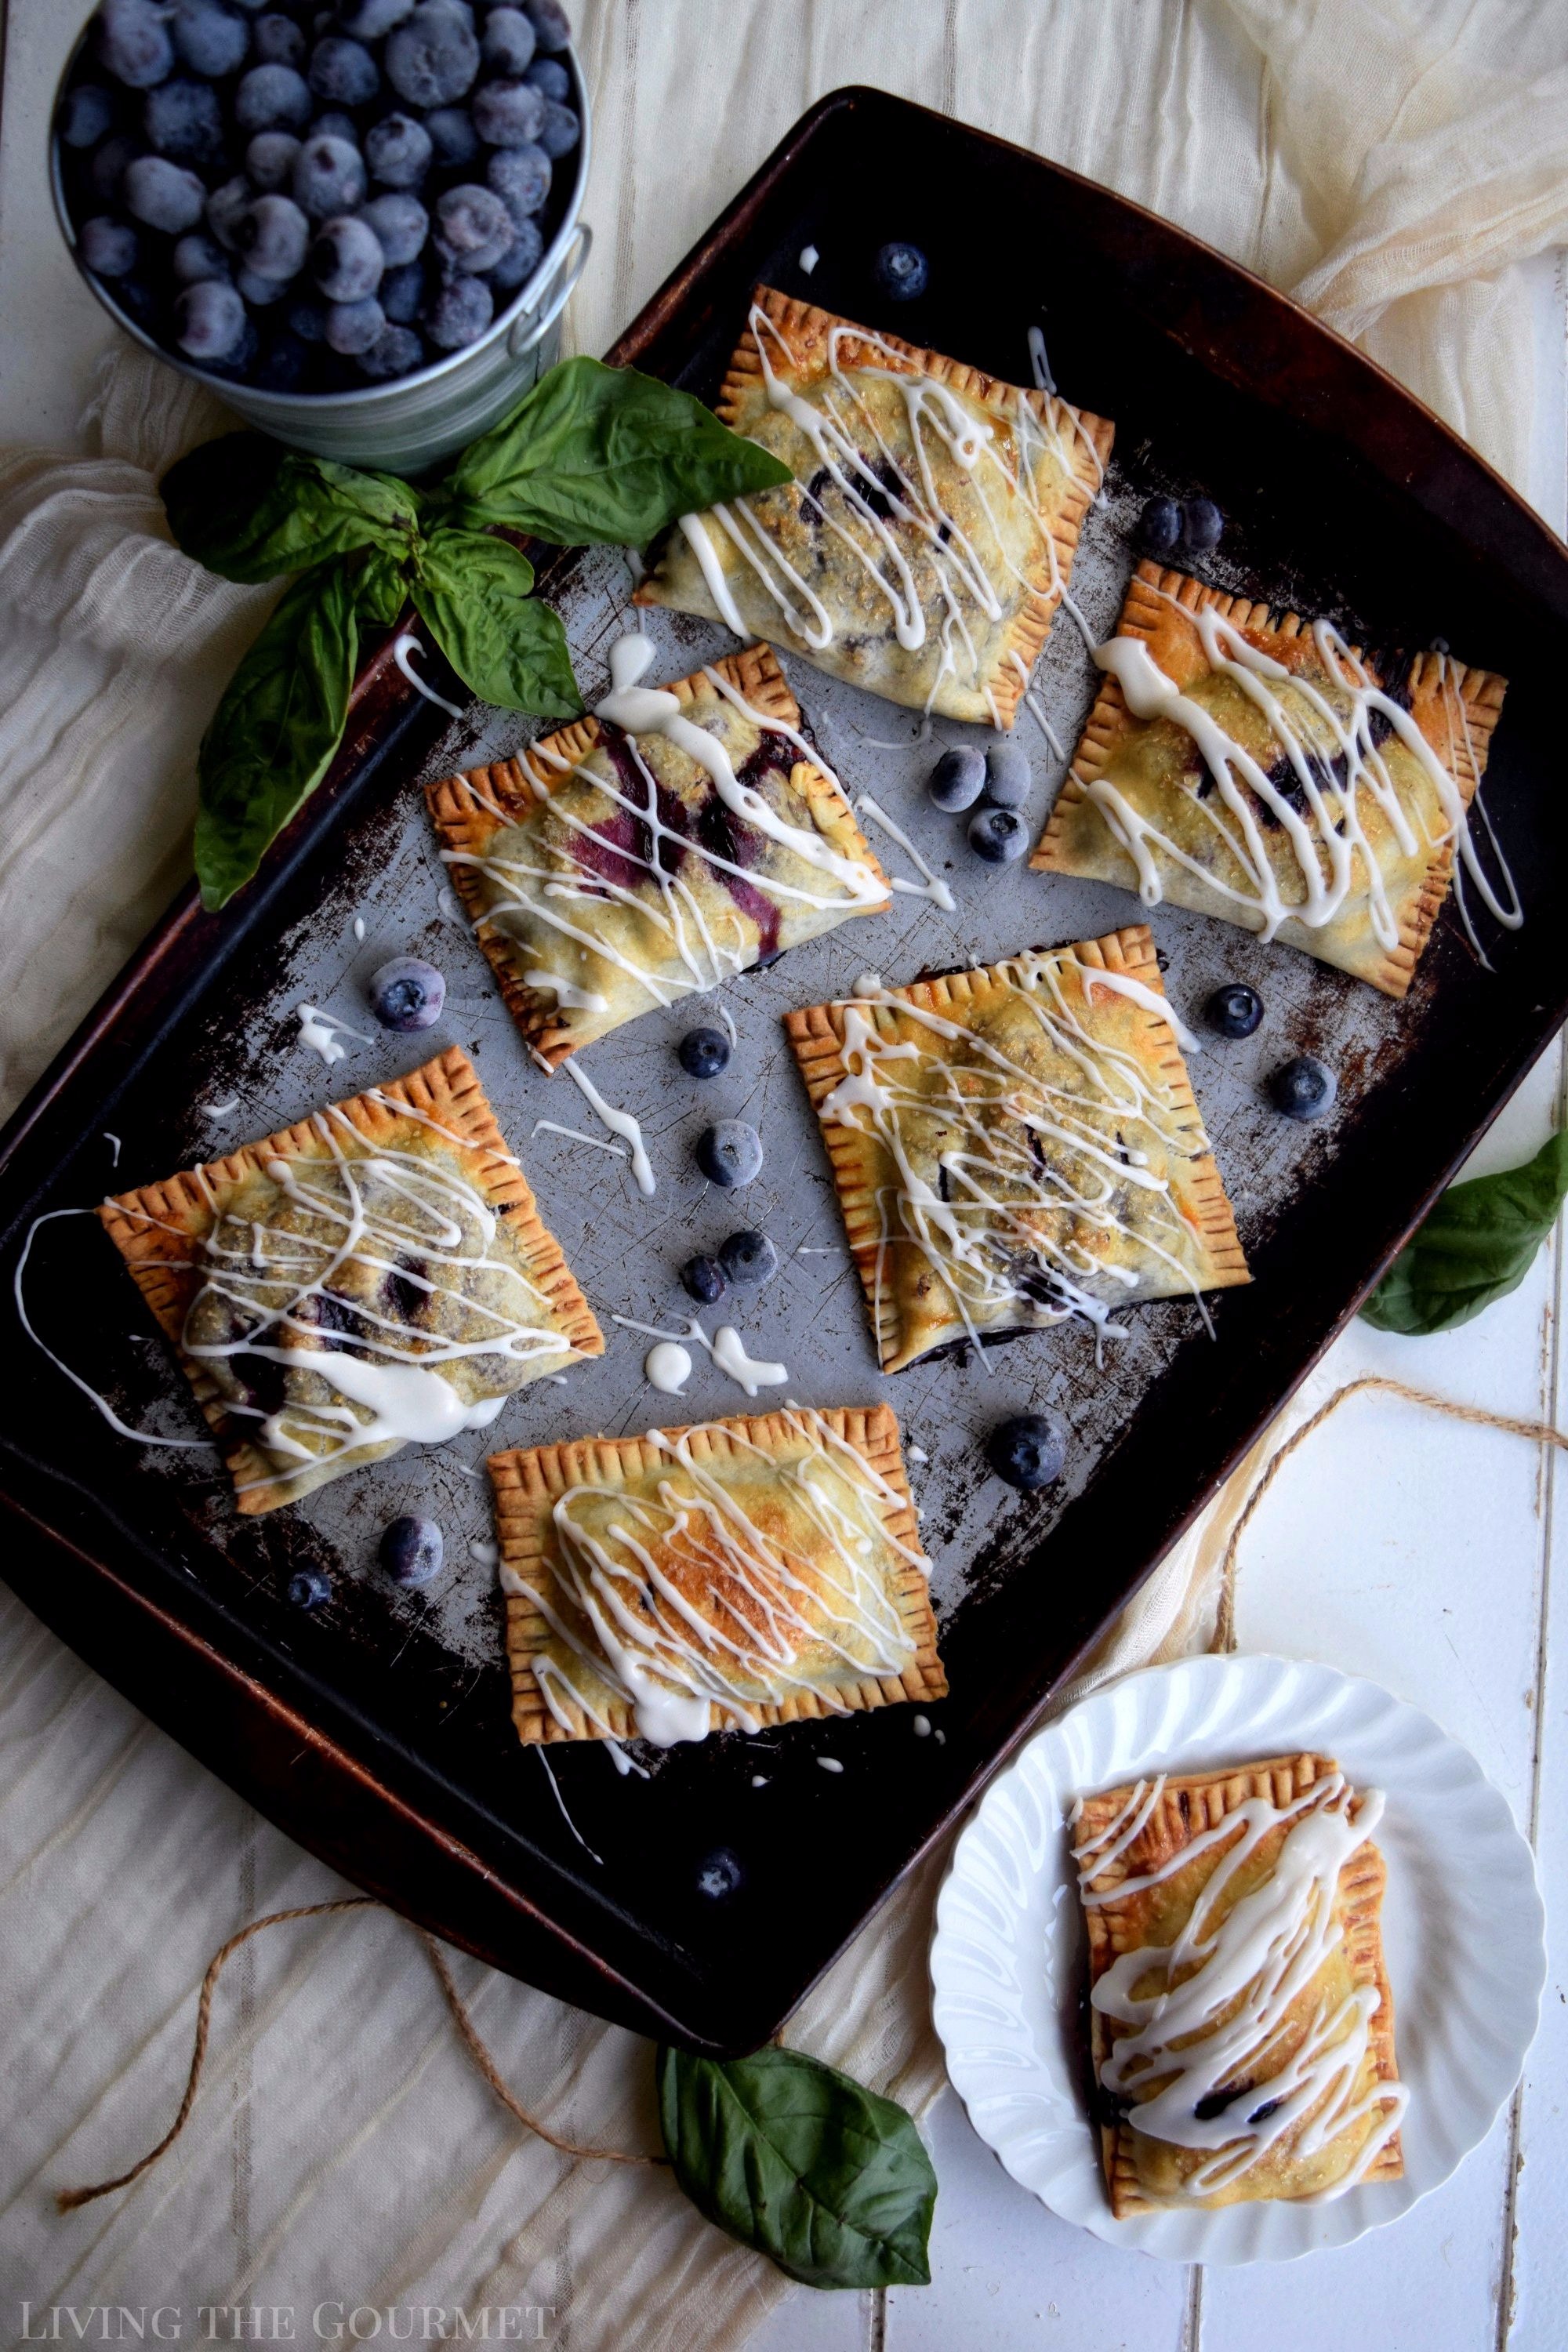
(159, 1228)
(469, 811)
(1189, 1803)
(911, 1311)
(1077, 839)
(1062, 495)
(529, 1482)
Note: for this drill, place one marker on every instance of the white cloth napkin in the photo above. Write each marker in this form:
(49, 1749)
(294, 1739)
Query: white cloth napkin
(1390, 164)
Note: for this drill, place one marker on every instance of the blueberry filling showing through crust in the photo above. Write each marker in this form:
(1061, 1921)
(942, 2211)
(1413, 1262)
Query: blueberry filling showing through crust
(1329, 775)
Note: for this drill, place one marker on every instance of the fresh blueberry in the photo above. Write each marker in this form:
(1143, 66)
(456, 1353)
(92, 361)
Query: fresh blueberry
(432, 57)
(272, 98)
(278, 41)
(453, 137)
(720, 1874)
(108, 248)
(227, 207)
(258, 291)
(1160, 526)
(270, 159)
(508, 113)
(560, 130)
(509, 41)
(307, 318)
(397, 150)
(1304, 1088)
(551, 77)
(473, 229)
(520, 260)
(552, 29)
(998, 835)
(211, 39)
(1234, 1010)
(134, 43)
(164, 195)
(408, 994)
(209, 320)
(110, 163)
(355, 328)
(411, 1550)
(401, 223)
(184, 120)
(86, 115)
(396, 350)
(196, 256)
(703, 1053)
(400, 294)
(703, 1279)
(729, 1154)
(749, 1259)
(346, 262)
(372, 20)
(343, 72)
(900, 271)
(309, 1588)
(334, 124)
(273, 236)
(1008, 778)
(1202, 524)
(1030, 1451)
(282, 364)
(140, 302)
(328, 178)
(520, 178)
(958, 778)
(459, 314)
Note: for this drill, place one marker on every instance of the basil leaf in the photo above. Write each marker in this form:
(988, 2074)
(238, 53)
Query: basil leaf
(274, 733)
(250, 509)
(472, 594)
(381, 588)
(1477, 1244)
(831, 2182)
(599, 454)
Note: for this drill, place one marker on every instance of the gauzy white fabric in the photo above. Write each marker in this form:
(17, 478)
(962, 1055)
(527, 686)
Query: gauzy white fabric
(1390, 164)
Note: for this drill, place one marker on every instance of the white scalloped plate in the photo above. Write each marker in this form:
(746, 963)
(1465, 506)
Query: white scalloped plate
(1463, 1927)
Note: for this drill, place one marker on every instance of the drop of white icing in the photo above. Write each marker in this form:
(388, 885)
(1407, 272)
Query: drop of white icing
(922, 1727)
(403, 650)
(115, 1140)
(487, 1554)
(359, 927)
(809, 257)
(221, 1110)
(320, 1031)
(725, 1348)
(619, 1122)
(759, 1779)
(918, 1454)
(668, 1367)
(829, 1764)
(933, 887)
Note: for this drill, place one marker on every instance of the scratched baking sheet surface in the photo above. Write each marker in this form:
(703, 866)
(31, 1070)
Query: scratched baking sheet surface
(626, 1249)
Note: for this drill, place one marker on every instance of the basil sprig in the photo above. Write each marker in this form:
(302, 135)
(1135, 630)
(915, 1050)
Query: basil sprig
(1476, 1244)
(828, 2179)
(593, 455)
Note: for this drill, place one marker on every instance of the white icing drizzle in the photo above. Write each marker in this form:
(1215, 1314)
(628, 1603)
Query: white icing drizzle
(567, 993)
(830, 1764)
(916, 1453)
(619, 1122)
(809, 257)
(594, 1142)
(487, 1554)
(121, 1428)
(1326, 736)
(725, 1348)
(359, 928)
(1034, 1161)
(447, 906)
(1039, 366)
(115, 1140)
(723, 1012)
(1216, 2002)
(404, 648)
(933, 887)
(1122, 983)
(625, 1622)
(1036, 708)
(320, 1031)
(224, 1109)
(668, 1367)
(555, 1787)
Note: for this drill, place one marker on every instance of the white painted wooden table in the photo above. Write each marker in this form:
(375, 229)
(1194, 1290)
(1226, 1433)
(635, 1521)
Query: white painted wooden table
(1433, 1558)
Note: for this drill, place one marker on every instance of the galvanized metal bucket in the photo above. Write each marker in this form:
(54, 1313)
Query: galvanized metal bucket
(411, 425)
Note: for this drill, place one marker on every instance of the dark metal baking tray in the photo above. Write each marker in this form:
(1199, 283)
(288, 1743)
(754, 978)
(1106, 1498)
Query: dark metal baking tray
(377, 1731)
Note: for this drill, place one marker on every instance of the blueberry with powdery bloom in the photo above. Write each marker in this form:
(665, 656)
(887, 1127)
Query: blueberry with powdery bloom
(354, 327)
(273, 238)
(508, 113)
(452, 136)
(520, 178)
(309, 1588)
(328, 178)
(198, 256)
(259, 292)
(749, 1260)
(401, 292)
(520, 260)
(411, 1550)
(86, 115)
(1304, 1088)
(133, 43)
(108, 248)
(400, 224)
(730, 1153)
(1203, 526)
(958, 778)
(272, 98)
(998, 835)
(209, 320)
(346, 260)
(184, 121)
(277, 41)
(473, 229)
(335, 124)
(1030, 1451)
(508, 43)
(109, 165)
(270, 159)
(459, 314)
(397, 150)
(343, 72)
(407, 993)
(396, 350)
(551, 77)
(1007, 775)
(1160, 526)
(227, 207)
(432, 57)
(901, 271)
(560, 130)
(211, 39)
(552, 28)
(161, 194)
(372, 20)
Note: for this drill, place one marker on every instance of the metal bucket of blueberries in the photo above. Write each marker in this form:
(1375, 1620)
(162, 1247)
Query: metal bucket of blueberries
(357, 224)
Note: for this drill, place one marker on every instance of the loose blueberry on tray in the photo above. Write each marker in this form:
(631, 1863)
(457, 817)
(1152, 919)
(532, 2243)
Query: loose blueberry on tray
(730, 1153)
(1234, 1010)
(998, 835)
(1008, 775)
(703, 1053)
(408, 994)
(1030, 1451)
(309, 1588)
(958, 778)
(1303, 1089)
(1203, 526)
(1160, 526)
(901, 271)
(749, 1259)
(703, 1278)
(411, 1550)
(720, 1874)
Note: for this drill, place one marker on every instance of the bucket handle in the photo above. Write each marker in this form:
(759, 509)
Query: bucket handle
(518, 341)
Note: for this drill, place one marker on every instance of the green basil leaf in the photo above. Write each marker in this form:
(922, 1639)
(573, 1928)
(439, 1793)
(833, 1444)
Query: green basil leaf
(381, 588)
(1476, 1244)
(831, 2182)
(250, 509)
(274, 733)
(472, 594)
(598, 454)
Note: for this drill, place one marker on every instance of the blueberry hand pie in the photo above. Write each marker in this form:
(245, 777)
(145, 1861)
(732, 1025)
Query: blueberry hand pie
(642, 855)
(1016, 1145)
(928, 536)
(376, 1276)
(757, 1570)
(1259, 769)
(1242, 2026)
